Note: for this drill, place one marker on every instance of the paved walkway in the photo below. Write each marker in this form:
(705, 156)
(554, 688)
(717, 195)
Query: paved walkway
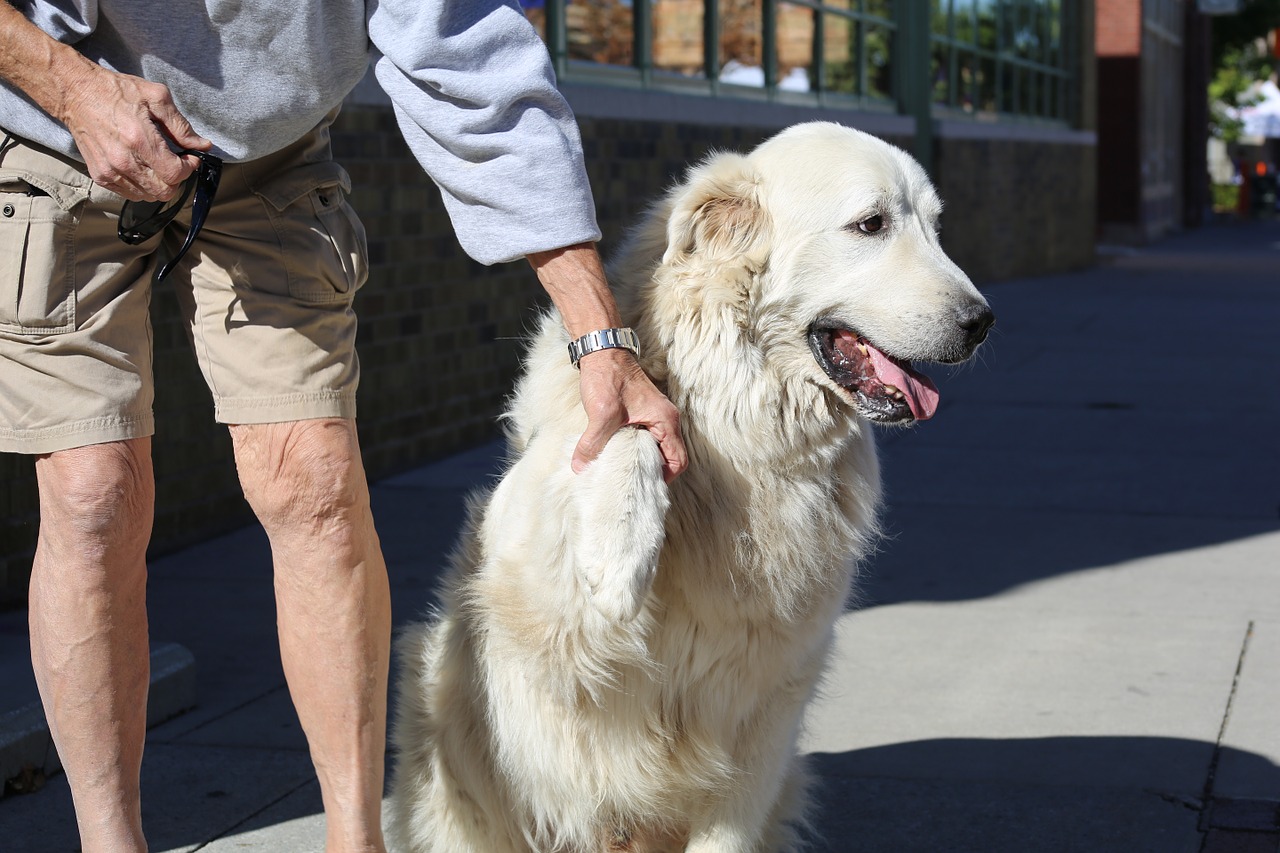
(1071, 642)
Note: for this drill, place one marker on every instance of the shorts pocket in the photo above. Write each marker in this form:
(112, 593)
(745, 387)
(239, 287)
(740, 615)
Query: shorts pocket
(37, 253)
(323, 242)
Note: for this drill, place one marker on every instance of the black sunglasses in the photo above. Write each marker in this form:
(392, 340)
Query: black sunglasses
(142, 220)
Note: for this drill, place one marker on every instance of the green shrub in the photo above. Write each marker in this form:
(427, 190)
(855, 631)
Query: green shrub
(1225, 197)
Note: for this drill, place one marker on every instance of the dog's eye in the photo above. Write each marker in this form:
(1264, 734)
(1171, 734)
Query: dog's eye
(871, 224)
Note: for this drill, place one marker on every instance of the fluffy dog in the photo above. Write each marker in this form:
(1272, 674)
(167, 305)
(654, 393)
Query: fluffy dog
(621, 665)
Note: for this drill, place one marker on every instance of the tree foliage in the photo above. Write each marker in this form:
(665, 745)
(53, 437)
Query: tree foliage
(1254, 21)
(1240, 59)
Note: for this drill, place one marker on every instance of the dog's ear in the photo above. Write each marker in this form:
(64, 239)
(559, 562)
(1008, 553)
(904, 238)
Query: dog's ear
(716, 213)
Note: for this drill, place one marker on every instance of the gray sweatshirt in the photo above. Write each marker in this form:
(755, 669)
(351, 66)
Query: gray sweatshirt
(470, 81)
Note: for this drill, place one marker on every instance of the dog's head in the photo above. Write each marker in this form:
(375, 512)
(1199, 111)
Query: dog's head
(821, 247)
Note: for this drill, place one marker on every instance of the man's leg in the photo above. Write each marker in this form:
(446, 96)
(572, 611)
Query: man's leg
(307, 485)
(89, 629)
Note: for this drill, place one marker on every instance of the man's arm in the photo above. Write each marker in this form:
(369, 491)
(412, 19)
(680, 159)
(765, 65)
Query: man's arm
(119, 122)
(615, 391)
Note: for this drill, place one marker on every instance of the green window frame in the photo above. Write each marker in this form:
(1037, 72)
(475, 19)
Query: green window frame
(1006, 57)
(937, 58)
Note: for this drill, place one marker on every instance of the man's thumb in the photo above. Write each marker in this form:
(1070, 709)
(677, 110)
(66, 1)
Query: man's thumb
(588, 449)
(176, 127)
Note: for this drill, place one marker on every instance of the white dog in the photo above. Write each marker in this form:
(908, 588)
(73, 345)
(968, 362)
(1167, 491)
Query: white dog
(619, 665)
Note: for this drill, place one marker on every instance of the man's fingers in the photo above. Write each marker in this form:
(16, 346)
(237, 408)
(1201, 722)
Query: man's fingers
(675, 458)
(617, 393)
(590, 445)
(140, 182)
(165, 168)
(174, 125)
(126, 129)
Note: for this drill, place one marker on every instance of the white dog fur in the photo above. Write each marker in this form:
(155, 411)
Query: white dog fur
(617, 664)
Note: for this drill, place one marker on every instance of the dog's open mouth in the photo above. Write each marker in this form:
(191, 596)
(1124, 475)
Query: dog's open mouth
(887, 389)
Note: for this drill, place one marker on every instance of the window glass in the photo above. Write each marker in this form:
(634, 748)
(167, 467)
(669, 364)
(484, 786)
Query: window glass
(741, 51)
(988, 100)
(940, 72)
(988, 34)
(968, 91)
(1026, 38)
(1008, 88)
(878, 44)
(600, 31)
(677, 37)
(841, 55)
(881, 8)
(963, 12)
(1053, 34)
(939, 20)
(796, 33)
(1027, 91)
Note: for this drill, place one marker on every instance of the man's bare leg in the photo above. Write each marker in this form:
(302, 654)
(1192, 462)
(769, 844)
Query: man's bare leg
(89, 629)
(307, 485)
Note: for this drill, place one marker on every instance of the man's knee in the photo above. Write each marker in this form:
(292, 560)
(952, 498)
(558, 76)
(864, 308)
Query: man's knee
(305, 474)
(102, 494)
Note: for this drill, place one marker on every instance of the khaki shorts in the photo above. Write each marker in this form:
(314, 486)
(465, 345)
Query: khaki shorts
(265, 293)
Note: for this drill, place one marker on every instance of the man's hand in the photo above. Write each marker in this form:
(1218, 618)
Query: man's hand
(120, 123)
(615, 391)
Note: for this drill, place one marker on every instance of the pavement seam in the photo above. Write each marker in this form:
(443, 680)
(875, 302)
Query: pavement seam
(1206, 797)
(174, 738)
(249, 817)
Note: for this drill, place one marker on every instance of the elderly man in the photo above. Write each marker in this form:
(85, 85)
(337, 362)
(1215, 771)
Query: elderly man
(113, 114)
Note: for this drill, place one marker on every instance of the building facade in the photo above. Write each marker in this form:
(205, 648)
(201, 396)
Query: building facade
(1152, 136)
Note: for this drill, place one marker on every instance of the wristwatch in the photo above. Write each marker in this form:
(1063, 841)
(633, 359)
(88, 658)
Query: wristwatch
(603, 339)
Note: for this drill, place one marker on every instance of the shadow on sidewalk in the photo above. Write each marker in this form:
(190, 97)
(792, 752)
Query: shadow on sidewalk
(1097, 794)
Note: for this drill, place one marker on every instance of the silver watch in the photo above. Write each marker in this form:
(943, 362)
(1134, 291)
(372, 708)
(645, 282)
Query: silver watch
(603, 339)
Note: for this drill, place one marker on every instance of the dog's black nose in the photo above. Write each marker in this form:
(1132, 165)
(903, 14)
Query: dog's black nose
(976, 320)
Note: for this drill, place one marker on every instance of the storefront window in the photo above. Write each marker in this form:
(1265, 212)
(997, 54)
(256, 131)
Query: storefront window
(999, 56)
(983, 56)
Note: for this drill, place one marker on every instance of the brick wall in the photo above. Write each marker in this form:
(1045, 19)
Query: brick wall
(1016, 208)
(440, 335)
(17, 525)
(1119, 27)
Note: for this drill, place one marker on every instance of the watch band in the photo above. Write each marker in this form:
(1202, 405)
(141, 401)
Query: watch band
(603, 339)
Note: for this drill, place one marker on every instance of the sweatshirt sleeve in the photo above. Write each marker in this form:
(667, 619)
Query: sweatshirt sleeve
(476, 100)
(68, 21)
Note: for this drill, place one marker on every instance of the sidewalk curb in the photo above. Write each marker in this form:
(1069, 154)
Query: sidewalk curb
(25, 744)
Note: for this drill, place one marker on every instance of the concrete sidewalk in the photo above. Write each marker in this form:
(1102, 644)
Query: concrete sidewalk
(1070, 642)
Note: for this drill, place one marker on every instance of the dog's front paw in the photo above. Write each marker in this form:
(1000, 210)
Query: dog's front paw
(619, 585)
(622, 504)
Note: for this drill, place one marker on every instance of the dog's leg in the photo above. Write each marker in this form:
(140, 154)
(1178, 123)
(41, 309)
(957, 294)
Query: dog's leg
(789, 823)
(765, 810)
(444, 798)
(621, 502)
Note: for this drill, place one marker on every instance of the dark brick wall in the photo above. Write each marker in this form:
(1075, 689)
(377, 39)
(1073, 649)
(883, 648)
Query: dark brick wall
(440, 335)
(1016, 208)
(17, 525)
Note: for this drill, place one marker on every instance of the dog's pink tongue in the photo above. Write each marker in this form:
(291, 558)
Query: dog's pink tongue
(921, 393)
